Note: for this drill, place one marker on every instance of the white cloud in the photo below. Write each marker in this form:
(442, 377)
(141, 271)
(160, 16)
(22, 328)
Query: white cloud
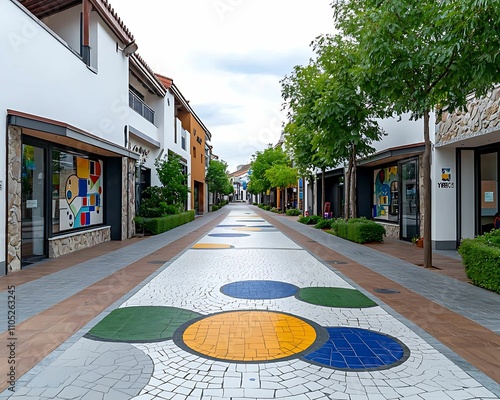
(227, 57)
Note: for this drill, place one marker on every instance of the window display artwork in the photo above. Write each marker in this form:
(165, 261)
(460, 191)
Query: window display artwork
(80, 204)
(386, 194)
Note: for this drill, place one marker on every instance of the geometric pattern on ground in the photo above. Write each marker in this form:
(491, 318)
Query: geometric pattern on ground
(228, 235)
(92, 370)
(259, 290)
(335, 297)
(356, 349)
(212, 246)
(140, 324)
(249, 336)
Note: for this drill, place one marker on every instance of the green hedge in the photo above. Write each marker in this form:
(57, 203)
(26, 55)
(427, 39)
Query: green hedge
(324, 224)
(162, 224)
(293, 212)
(310, 220)
(481, 257)
(358, 230)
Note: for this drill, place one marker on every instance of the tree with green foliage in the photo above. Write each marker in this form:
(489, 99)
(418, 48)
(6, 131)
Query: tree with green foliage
(421, 56)
(217, 179)
(174, 190)
(263, 160)
(324, 100)
(169, 198)
(282, 176)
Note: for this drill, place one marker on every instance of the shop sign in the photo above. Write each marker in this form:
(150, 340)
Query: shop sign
(142, 151)
(446, 182)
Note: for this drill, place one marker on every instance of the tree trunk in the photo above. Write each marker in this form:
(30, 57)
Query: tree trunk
(353, 180)
(426, 186)
(323, 192)
(315, 194)
(347, 186)
(283, 201)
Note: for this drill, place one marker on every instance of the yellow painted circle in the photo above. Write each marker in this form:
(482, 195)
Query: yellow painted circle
(211, 246)
(247, 228)
(249, 336)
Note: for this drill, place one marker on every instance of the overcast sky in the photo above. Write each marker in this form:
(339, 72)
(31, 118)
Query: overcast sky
(227, 58)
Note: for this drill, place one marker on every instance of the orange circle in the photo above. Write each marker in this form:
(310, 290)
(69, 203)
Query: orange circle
(211, 246)
(249, 336)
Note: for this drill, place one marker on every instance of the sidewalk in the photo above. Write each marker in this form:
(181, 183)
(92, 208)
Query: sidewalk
(60, 300)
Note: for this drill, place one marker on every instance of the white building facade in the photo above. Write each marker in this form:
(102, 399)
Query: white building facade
(85, 118)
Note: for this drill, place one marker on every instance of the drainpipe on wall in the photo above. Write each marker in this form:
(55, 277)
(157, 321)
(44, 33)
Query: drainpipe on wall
(86, 31)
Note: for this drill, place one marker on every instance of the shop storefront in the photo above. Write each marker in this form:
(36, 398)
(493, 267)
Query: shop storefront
(389, 190)
(65, 194)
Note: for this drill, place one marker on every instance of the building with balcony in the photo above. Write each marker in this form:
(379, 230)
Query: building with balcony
(85, 119)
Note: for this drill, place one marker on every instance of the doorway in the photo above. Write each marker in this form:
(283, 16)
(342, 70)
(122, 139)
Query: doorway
(33, 213)
(410, 210)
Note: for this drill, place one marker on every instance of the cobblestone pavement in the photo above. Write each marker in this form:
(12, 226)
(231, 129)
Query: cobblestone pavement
(246, 313)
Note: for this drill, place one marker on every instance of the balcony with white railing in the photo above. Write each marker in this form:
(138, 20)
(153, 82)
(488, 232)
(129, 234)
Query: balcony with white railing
(139, 106)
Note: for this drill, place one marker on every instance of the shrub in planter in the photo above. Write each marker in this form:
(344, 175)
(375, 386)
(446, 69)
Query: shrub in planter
(162, 224)
(293, 212)
(324, 224)
(303, 220)
(267, 208)
(310, 220)
(358, 230)
(481, 257)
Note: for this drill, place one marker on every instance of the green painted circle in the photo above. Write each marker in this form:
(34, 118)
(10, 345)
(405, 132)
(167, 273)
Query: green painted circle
(335, 297)
(141, 324)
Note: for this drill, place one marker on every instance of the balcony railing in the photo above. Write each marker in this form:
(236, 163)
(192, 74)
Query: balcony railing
(140, 107)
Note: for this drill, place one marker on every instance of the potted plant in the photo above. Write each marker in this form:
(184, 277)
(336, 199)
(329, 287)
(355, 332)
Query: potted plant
(418, 241)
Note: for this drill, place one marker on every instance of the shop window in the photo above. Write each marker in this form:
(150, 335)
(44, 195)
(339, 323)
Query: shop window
(77, 190)
(386, 194)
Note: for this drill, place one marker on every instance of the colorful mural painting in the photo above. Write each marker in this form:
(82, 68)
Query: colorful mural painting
(81, 205)
(386, 194)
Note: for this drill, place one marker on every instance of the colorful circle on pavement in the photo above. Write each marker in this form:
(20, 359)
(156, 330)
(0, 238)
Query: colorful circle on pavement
(355, 349)
(335, 297)
(259, 290)
(250, 336)
(248, 228)
(140, 324)
(228, 235)
(212, 246)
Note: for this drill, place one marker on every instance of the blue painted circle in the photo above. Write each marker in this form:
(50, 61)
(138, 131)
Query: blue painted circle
(227, 235)
(355, 349)
(259, 290)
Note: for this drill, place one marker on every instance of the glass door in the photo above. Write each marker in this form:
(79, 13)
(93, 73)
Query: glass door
(33, 204)
(410, 212)
(489, 191)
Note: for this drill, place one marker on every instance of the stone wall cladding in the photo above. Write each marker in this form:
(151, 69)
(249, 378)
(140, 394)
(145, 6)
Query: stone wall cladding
(14, 149)
(391, 230)
(481, 117)
(78, 241)
(128, 198)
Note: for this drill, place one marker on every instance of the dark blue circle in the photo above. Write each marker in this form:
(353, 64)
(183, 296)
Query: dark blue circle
(259, 290)
(355, 349)
(228, 234)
